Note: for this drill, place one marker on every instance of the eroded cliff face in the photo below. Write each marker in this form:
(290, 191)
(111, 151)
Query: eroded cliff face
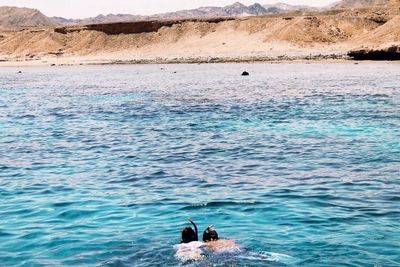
(273, 36)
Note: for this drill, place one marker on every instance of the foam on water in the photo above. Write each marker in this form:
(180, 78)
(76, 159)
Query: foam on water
(298, 163)
(189, 252)
(198, 253)
(269, 257)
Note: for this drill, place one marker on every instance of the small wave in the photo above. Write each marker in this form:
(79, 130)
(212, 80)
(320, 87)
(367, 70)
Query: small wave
(62, 204)
(268, 256)
(5, 234)
(3, 167)
(213, 204)
(383, 214)
(95, 147)
(62, 116)
(392, 198)
(75, 214)
(26, 116)
(129, 180)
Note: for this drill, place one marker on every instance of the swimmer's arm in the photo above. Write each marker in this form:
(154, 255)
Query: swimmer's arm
(195, 228)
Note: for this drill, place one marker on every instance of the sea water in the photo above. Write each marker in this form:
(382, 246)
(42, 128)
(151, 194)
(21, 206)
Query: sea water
(103, 165)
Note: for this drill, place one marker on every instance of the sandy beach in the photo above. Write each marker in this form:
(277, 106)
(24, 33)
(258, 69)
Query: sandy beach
(127, 57)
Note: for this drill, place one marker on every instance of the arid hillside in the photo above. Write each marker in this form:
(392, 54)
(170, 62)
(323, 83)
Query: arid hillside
(288, 36)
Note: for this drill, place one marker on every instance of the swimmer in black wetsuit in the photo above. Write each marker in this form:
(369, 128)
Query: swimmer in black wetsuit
(190, 235)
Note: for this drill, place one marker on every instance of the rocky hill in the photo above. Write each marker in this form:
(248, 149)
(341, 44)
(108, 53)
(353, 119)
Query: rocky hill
(11, 17)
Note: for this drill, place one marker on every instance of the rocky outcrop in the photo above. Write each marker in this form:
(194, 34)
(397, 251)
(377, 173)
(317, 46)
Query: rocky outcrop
(134, 27)
(389, 53)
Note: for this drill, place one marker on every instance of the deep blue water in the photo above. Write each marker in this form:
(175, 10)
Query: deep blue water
(103, 165)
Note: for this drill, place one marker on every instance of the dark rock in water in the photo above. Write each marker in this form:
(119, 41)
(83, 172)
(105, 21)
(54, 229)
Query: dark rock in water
(389, 53)
(19, 71)
(245, 73)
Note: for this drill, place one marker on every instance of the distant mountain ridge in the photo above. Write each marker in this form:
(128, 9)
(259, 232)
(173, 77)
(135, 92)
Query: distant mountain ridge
(360, 3)
(24, 17)
(286, 7)
(235, 10)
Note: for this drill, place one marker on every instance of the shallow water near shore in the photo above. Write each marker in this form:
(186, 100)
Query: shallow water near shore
(103, 165)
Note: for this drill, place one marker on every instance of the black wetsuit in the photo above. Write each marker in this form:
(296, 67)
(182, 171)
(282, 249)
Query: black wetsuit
(195, 230)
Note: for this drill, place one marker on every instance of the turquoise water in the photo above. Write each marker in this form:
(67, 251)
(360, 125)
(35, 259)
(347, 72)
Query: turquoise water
(102, 166)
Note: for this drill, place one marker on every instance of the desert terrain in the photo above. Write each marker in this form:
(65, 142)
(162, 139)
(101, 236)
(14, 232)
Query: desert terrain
(295, 35)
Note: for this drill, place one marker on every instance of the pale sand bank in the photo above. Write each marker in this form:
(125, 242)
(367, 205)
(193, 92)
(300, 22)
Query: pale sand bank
(278, 52)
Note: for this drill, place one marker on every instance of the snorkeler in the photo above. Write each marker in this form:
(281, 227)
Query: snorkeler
(191, 249)
(190, 235)
(213, 249)
(210, 234)
(213, 243)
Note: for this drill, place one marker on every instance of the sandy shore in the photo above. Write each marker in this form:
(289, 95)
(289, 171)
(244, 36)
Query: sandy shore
(75, 61)
(273, 52)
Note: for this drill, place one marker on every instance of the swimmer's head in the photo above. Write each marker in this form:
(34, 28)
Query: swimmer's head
(210, 234)
(188, 235)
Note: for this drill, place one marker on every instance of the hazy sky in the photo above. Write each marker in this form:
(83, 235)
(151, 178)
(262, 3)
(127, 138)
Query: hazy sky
(86, 8)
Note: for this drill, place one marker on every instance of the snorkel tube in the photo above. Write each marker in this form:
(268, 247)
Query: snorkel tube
(195, 229)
